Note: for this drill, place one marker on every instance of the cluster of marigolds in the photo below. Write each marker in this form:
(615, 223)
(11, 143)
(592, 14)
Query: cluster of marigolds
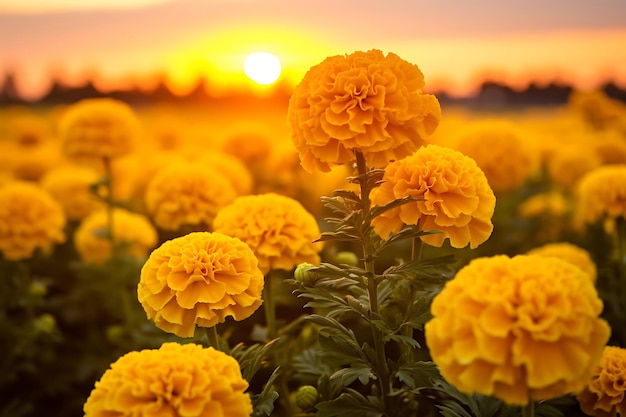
(521, 328)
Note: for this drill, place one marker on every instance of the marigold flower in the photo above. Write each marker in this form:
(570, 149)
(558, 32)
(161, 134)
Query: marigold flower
(233, 168)
(176, 380)
(604, 395)
(365, 102)
(30, 219)
(277, 228)
(501, 152)
(552, 203)
(518, 328)
(190, 194)
(70, 185)
(602, 194)
(458, 199)
(132, 230)
(31, 163)
(571, 253)
(569, 165)
(200, 279)
(98, 128)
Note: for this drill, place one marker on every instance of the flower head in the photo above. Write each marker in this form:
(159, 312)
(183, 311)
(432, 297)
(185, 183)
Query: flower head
(457, 198)
(604, 395)
(187, 194)
(98, 128)
(30, 219)
(277, 228)
(500, 150)
(571, 253)
(602, 194)
(71, 186)
(130, 229)
(518, 328)
(365, 101)
(200, 279)
(175, 380)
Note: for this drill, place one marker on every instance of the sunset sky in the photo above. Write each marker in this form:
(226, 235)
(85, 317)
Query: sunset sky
(455, 43)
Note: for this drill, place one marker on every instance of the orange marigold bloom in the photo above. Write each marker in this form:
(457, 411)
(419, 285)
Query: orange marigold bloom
(571, 253)
(132, 230)
(604, 395)
(602, 194)
(458, 199)
(98, 128)
(71, 185)
(367, 102)
(500, 150)
(277, 228)
(176, 380)
(200, 279)
(518, 328)
(190, 194)
(30, 220)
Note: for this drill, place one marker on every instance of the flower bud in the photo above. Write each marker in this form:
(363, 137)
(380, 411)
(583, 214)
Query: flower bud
(306, 397)
(45, 324)
(304, 275)
(347, 257)
(37, 289)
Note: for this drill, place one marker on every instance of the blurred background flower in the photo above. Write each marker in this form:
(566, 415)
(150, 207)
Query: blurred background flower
(30, 220)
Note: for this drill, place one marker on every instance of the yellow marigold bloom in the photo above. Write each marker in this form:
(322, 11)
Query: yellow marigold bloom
(598, 109)
(176, 380)
(602, 194)
(569, 165)
(30, 220)
(187, 194)
(70, 185)
(132, 230)
(233, 168)
(277, 228)
(518, 328)
(604, 395)
(571, 253)
(98, 128)
(458, 199)
(200, 279)
(551, 204)
(365, 102)
(31, 163)
(501, 152)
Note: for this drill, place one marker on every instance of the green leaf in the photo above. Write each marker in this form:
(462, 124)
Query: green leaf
(263, 403)
(378, 210)
(361, 371)
(347, 195)
(350, 404)
(418, 374)
(250, 358)
(408, 232)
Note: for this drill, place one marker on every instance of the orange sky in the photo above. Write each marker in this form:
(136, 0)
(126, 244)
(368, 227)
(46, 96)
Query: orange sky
(455, 44)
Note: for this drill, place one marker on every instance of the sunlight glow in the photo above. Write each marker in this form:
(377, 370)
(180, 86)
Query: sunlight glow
(262, 67)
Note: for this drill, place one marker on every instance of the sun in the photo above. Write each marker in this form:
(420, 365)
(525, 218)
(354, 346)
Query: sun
(262, 67)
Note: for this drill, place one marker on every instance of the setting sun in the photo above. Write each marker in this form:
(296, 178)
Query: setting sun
(262, 67)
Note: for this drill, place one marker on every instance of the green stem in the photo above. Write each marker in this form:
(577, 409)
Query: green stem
(416, 254)
(269, 306)
(372, 285)
(213, 337)
(108, 173)
(529, 409)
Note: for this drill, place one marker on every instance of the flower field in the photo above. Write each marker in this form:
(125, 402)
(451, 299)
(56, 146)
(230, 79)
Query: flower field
(355, 250)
